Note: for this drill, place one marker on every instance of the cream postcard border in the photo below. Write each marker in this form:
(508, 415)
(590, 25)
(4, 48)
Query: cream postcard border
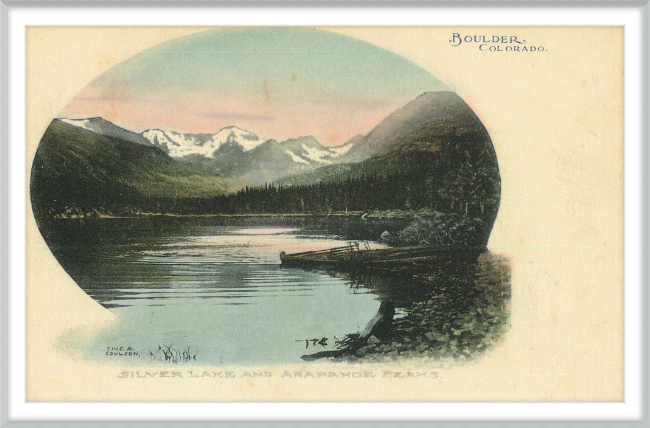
(631, 18)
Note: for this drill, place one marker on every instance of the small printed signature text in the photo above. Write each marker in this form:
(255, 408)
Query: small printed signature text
(121, 351)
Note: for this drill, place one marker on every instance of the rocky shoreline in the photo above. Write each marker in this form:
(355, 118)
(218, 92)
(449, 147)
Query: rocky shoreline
(461, 319)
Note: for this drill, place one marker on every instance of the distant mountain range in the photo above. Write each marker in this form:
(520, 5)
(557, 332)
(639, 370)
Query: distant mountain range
(237, 153)
(434, 150)
(232, 152)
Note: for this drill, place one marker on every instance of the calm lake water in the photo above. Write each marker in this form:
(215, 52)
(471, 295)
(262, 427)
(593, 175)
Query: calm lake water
(213, 291)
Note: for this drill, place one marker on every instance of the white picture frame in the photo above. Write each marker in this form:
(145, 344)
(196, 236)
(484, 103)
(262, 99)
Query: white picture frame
(15, 15)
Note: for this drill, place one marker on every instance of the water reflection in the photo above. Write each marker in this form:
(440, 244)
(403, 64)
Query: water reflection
(217, 287)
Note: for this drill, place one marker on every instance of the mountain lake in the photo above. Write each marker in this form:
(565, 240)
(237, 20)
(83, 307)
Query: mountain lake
(211, 290)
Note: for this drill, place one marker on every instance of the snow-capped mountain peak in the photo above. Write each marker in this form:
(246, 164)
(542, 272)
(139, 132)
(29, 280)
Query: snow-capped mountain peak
(103, 127)
(316, 155)
(233, 134)
(296, 159)
(79, 123)
(179, 145)
(342, 150)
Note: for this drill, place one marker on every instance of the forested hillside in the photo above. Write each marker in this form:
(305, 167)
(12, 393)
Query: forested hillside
(79, 172)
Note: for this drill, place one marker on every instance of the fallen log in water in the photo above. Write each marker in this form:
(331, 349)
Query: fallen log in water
(395, 260)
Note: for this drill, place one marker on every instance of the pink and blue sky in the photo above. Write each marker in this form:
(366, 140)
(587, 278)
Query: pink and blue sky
(276, 82)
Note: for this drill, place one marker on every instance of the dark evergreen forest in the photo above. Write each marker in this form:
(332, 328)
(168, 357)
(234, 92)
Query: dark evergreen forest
(467, 185)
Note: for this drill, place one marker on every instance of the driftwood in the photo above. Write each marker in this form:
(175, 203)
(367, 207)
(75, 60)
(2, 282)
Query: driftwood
(378, 326)
(324, 354)
(284, 257)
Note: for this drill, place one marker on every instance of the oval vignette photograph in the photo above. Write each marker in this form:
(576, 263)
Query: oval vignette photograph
(271, 196)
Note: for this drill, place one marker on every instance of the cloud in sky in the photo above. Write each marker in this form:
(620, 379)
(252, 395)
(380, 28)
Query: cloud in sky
(277, 82)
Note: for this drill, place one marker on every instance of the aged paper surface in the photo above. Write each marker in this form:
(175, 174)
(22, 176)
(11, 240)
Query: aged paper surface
(555, 119)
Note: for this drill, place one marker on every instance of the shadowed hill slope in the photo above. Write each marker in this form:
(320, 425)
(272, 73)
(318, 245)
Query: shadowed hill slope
(78, 169)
